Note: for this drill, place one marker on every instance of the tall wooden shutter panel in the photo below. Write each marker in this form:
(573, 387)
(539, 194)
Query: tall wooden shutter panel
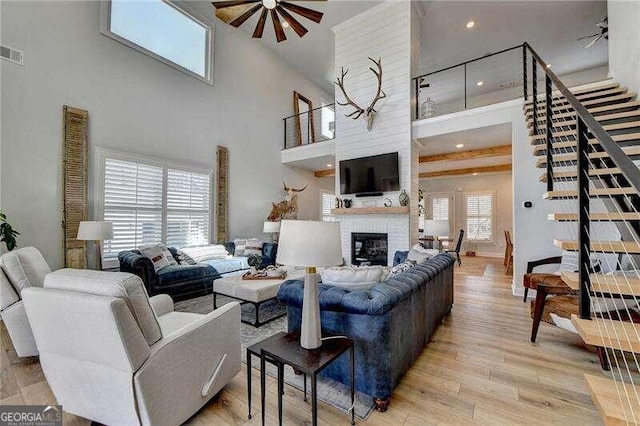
(75, 138)
(222, 200)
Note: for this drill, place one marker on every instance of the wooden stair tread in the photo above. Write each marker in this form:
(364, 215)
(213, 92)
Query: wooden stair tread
(577, 92)
(601, 246)
(610, 397)
(572, 122)
(538, 148)
(618, 99)
(600, 283)
(629, 150)
(592, 110)
(542, 101)
(607, 333)
(572, 132)
(573, 174)
(593, 192)
(597, 217)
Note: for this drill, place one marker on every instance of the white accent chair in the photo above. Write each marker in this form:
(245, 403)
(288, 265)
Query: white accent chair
(20, 269)
(115, 356)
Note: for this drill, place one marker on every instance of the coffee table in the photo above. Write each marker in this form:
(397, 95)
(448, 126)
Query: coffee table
(255, 292)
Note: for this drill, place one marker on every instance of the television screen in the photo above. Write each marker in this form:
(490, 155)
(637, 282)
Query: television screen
(378, 173)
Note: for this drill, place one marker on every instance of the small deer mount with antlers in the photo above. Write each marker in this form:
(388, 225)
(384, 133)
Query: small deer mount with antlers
(370, 112)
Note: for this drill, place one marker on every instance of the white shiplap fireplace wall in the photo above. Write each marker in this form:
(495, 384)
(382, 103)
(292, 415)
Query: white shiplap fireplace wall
(381, 32)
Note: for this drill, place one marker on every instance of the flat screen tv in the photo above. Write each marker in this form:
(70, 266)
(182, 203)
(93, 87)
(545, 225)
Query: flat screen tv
(370, 175)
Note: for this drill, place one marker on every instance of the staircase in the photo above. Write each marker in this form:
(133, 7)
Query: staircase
(585, 141)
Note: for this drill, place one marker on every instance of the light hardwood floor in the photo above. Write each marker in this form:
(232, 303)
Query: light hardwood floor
(479, 368)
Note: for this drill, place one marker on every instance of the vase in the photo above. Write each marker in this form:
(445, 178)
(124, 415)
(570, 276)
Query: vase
(428, 109)
(403, 198)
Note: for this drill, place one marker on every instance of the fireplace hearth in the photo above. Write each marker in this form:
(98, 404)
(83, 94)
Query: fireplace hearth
(369, 248)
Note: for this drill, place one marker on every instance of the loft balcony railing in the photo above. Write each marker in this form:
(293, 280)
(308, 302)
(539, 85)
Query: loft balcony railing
(489, 79)
(313, 126)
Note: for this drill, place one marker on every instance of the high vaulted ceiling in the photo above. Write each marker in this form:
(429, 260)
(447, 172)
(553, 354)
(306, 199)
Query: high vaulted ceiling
(551, 27)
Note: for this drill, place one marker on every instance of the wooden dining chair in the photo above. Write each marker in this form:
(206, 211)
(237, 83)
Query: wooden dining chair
(508, 253)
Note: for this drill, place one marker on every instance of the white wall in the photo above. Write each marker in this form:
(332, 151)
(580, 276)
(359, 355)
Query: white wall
(501, 183)
(137, 104)
(624, 42)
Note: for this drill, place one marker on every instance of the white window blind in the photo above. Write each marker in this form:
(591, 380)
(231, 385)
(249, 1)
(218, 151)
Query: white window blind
(133, 202)
(327, 202)
(150, 204)
(479, 211)
(440, 208)
(187, 208)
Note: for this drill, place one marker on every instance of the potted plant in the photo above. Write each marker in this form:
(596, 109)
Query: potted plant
(7, 233)
(254, 262)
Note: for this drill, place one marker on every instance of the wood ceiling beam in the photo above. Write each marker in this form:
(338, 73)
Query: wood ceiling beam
(324, 173)
(469, 171)
(494, 151)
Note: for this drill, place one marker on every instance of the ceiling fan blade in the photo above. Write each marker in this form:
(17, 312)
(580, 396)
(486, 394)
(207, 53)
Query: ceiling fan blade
(257, 33)
(293, 22)
(277, 26)
(310, 14)
(584, 37)
(593, 42)
(229, 14)
(248, 14)
(231, 3)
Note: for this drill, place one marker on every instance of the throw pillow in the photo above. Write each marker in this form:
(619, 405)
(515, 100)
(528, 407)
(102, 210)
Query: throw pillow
(208, 252)
(253, 247)
(159, 255)
(184, 258)
(353, 277)
(420, 254)
(400, 268)
(240, 244)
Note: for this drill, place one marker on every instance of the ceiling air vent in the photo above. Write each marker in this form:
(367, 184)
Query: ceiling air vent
(12, 55)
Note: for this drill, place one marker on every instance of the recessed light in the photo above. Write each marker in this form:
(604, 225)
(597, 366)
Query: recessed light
(329, 165)
(475, 174)
(470, 24)
(460, 145)
(480, 83)
(285, 24)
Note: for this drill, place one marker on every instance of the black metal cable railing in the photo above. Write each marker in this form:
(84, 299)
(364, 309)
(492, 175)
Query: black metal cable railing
(586, 127)
(316, 125)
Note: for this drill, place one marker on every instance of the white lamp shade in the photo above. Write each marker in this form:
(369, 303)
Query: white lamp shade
(437, 228)
(309, 243)
(95, 231)
(271, 227)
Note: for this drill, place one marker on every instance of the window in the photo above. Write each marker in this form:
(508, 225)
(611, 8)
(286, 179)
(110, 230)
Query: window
(479, 216)
(328, 121)
(440, 207)
(152, 203)
(163, 31)
(327, 202)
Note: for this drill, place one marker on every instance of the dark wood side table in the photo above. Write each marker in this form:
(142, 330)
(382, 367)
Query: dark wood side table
(283, 349)
(256, 350)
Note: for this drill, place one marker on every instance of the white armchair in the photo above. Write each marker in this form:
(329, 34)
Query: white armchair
(20, 269)
(114, 356)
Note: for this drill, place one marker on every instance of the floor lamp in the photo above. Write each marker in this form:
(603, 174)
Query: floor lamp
(310, 244)
(96, 231)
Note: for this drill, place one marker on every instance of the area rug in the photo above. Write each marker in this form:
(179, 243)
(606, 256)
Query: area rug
(329, 391)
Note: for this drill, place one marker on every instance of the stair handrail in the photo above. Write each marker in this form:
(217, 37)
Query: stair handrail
(622, 160)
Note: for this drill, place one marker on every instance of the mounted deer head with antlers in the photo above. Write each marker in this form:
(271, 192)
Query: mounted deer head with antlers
(370, 112)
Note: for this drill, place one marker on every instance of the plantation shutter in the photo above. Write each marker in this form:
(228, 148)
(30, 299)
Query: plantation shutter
(188, 215)
(440, 208)
(74, 199)
(328, 202)
(133, 202)
(479, 210)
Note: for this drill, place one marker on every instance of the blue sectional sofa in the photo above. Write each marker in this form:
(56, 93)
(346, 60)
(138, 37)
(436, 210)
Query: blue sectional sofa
(184, 281)
(391, 323)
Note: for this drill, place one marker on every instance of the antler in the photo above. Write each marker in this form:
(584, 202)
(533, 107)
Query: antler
(380, 94)
(358, 110)
(299, 190)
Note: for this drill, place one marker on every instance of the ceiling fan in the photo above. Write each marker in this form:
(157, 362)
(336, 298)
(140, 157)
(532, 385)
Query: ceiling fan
(237, 12)
(603, 26)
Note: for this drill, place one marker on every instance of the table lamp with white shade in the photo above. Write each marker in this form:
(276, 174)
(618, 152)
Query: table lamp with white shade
(272, 228)
(310, 244)
(95, 231)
